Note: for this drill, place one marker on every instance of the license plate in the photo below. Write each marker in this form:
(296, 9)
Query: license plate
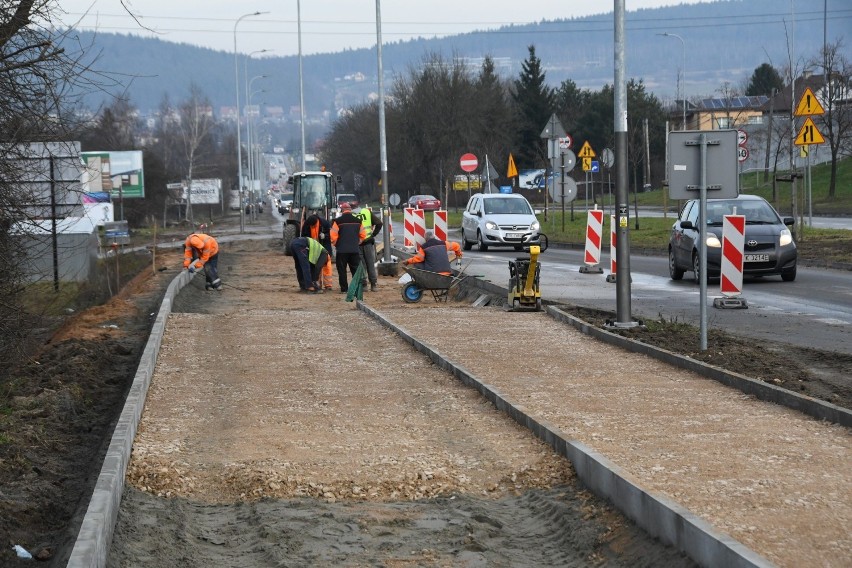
(514, 235)
(756, 258)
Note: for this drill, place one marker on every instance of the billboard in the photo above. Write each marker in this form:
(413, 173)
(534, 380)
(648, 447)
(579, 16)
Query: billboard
(460, 182)
(117, 173)
(204, 191)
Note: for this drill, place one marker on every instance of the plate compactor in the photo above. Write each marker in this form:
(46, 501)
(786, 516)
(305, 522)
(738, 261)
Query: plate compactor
(524, 290)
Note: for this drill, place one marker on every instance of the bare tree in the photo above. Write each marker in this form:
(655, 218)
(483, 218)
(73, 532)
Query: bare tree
(195, 125)
(836, 99)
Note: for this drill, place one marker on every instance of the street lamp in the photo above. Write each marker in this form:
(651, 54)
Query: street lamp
(237, 89)
(301, 82)
(254, 165)
(683, 72)
(245, 78)
(249, 129)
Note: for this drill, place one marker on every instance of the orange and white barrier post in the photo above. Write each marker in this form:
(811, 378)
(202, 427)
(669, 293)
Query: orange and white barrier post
(408, 227)
(731, 277)
(612, 250)
(594, 234)
(419, 221)
(440, 224)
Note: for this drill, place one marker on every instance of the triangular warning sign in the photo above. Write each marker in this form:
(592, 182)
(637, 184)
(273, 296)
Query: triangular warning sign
(809, 134)
(513, 170)
(809, 105)
(586, 151)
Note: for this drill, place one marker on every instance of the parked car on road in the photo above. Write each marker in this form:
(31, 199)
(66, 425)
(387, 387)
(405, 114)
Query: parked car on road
(499, 219)
(769, 245)
(425, 202)
(347, 198)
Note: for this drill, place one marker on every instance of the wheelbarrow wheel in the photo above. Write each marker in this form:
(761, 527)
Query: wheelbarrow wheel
(412, 293)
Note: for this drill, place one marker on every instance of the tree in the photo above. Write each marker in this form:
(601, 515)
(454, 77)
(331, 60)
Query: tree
(534, 102)
(194, 127)
(36, 79)
(764, 81)
(836, 123)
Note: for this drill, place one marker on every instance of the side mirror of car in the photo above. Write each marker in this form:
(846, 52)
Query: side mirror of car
(789, 221)
(686, 225)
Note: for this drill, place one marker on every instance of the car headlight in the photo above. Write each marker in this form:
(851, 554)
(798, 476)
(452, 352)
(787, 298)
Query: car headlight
(786, 237)
(491, 225)
(713, 241)
(535, 226)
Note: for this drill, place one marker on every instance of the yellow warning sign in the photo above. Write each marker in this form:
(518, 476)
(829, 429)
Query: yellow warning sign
(808, 104)
(587, 164)
(809, 134)
(804, 151)
(586, 151)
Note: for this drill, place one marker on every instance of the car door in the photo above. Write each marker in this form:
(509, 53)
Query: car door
(684, 239)
(470, 221)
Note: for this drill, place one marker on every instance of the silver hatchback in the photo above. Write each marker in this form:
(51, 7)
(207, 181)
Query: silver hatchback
(499, 219)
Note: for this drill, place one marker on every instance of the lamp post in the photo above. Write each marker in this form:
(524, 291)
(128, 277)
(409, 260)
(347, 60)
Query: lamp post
(682, 82)
(249, 128)
(245, 78)
(254, 166)
(237, 89)
(301, 82)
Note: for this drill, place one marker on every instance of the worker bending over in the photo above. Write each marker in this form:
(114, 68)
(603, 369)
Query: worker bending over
(202, 251)
(433, 254)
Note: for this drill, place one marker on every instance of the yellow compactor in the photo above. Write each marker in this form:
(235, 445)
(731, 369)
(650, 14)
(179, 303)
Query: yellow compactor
(524, 290)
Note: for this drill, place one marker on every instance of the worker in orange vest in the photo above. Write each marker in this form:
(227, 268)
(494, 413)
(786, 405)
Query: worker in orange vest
(201, 251)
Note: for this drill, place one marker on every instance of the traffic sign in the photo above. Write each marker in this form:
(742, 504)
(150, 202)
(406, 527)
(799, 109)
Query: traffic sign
(809, 134)
(808, 104)
(565, 143)
(468, 162)
(586, 151)
(568, 160)
(607, 157)
(742, 137)
(742, 153)
(394, 199)
(587, 164)
(596, 166)
(553, 129)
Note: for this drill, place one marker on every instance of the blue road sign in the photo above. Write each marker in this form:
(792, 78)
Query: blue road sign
(596, 166)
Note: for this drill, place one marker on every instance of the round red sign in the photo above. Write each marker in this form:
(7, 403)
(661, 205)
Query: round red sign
(468, 162)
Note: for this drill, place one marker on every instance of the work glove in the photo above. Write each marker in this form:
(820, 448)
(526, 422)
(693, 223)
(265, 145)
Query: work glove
(458, 262)
(191, 269)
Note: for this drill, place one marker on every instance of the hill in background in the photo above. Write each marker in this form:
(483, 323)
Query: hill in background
(724, 42)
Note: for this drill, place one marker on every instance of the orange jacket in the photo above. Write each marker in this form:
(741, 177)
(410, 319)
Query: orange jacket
(201, 247)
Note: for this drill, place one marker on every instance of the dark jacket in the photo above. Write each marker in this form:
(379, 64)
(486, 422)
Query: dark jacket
(433, 255)
(347, 232)
(316, 225)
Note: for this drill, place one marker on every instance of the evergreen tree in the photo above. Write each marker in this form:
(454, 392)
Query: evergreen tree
(763, 81)
(534, 102)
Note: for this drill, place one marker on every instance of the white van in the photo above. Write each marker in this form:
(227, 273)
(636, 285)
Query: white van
(499, 219)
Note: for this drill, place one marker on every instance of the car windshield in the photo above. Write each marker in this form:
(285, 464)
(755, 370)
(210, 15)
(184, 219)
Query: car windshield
(312, 191)
(506, 206)
(756, 212)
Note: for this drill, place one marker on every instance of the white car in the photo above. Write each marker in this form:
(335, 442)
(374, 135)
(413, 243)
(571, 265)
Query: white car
(499, 219)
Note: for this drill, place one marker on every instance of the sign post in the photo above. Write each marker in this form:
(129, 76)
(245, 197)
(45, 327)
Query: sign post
(552, 132)
(468, 163)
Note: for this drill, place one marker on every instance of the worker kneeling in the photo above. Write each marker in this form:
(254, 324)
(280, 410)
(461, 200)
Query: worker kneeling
(433, 254)
(310, 257)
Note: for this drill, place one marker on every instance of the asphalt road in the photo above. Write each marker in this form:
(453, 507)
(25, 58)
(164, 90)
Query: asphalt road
(813, 311)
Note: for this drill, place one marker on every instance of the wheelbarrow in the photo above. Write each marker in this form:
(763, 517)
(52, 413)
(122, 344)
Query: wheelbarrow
(421, 280)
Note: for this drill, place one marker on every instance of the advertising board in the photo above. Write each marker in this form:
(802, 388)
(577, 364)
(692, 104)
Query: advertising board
(118, 173)
(205, 191)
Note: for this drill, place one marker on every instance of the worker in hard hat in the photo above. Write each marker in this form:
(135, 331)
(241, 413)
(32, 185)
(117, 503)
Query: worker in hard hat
(433, 255)
(201, 251)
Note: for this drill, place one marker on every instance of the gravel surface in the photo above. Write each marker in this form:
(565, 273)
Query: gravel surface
(284, 428)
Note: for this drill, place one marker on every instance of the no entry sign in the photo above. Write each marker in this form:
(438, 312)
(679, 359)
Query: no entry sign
(468, 162)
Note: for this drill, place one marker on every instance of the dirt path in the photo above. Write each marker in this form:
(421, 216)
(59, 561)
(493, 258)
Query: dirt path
(288, 429)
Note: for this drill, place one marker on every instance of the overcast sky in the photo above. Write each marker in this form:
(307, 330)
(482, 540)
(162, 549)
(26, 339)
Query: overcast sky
(327, 25)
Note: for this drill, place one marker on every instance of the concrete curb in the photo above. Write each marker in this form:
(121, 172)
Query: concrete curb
(815, 408)
(96, 531)
(657, 515)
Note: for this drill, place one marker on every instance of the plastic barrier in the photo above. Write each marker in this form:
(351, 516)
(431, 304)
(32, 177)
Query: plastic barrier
(733, 244)
(440, 224)
(594, 232)
(408, 227)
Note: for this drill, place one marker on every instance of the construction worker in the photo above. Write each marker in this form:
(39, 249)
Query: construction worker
(318, 228)
(310, 257)
(202, 251)
(433, 254)
(373, 225)
(347, 232)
